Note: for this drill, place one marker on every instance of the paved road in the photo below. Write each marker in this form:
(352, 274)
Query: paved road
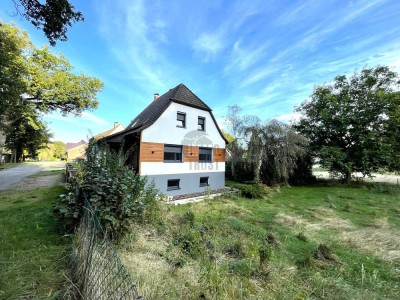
(11, 177)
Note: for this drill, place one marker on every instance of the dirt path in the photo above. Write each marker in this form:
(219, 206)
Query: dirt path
(19, 176)
(39, 181)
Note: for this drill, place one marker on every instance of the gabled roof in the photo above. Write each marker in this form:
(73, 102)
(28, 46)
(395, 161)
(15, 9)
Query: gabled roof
(117, 128)
(179, 94)
(71, 146)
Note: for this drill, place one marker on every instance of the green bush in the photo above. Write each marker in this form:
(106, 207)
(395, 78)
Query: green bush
(251, 191)
(119, 195)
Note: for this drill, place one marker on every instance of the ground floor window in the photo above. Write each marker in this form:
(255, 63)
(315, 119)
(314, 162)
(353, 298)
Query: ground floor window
(173, 184)
(204, 181)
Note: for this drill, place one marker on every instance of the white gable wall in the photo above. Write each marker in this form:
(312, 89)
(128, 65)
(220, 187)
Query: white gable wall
(164, 130)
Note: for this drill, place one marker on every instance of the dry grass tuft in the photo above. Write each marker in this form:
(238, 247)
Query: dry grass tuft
(326, 219)
(155, 277)
(379, 239)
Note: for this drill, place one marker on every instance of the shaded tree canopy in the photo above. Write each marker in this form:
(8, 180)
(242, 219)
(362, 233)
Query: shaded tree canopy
(53, 17)
(353, 124)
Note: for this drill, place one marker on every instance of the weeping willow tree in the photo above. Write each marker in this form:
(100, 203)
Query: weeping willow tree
(269, 152)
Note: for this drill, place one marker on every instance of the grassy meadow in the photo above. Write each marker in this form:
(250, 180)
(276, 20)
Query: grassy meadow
(312, 242)
(32, 251)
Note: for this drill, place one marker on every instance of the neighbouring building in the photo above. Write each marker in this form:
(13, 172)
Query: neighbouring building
(76, 150)
(116, 128)
(176, 142)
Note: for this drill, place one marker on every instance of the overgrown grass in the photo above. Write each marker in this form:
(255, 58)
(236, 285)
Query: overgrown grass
(31, 249)
(48, 173)
(316, 242)
(8, 166)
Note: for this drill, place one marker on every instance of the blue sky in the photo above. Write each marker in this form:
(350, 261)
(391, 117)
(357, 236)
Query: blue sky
(265, 56)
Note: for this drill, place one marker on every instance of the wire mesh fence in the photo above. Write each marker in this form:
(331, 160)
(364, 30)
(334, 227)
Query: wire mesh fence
(97, 269)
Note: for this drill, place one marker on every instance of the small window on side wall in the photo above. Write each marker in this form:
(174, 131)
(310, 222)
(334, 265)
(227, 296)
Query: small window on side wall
(204, 181)
(201, 124)
(173, 184)
(181, 120)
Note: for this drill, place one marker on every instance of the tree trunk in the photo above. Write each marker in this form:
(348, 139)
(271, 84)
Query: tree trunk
(347, 178)
(14, 155)
(257, 168)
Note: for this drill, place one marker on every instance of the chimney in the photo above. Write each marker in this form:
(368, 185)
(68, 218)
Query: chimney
(156, 95)
(115, 124)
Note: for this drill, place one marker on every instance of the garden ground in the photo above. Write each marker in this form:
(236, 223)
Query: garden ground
(312, 242)
(32, 251)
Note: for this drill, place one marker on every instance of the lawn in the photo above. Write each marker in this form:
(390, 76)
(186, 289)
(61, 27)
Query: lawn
(32, 251)
(312, 242)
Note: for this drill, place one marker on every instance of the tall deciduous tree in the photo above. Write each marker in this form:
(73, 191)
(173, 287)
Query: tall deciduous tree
(35, 81)
(45, 79)
(52, 16)
(354, 123)
(26, 132)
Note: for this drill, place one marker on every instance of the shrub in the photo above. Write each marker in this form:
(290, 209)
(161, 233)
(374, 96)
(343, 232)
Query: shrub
(265, 253)
(119, 195)
(189, 240)
(251, 191)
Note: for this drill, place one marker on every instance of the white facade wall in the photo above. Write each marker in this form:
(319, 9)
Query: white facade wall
(164, 130)
(159, 168)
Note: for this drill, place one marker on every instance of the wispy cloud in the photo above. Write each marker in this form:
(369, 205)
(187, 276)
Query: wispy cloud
(242, 58)
(134, 35)
(209, 44)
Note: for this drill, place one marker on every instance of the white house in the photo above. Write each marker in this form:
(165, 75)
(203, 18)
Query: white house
(176, 142)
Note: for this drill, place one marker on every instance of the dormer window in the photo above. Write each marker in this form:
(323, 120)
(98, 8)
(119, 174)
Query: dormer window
(181, 119)
(201, 124)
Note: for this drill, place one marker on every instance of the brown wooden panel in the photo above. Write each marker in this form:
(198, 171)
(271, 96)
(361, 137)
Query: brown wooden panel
(219, 154)
(191, 153)
(151, 152)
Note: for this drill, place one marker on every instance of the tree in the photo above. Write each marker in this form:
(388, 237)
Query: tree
(59, 149)
(268, 152)
(53, 17)
(354, 123)
(12, 66)
(35, 81)
(26, 132)
(275, 150)
(46, 79)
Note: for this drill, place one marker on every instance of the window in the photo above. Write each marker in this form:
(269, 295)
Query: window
(201, 124)
(204, 181)
(173, 184)
(205, 154)
(181, 119)
(172, 153)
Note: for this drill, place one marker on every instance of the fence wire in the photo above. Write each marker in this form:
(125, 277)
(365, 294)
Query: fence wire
(97, 269)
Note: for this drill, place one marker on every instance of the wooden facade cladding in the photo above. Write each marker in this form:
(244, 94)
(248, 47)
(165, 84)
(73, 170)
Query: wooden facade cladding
(190, 153)
(154, 152)
(151, 152)
(219, 154)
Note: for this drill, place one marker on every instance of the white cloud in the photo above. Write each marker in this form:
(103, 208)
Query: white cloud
(209, 43)
(94, 119)
(291, 117)
(135, 36)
